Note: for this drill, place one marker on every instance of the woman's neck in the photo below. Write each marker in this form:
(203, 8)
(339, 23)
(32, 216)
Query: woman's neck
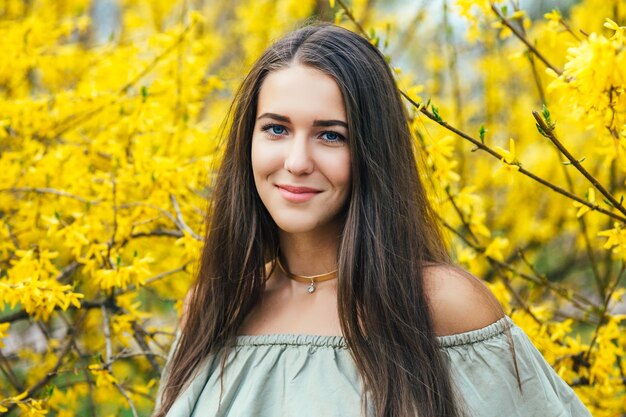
(310, 253)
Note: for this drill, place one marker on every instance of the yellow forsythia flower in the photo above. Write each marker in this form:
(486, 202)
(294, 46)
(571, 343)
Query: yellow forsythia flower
(583, 209)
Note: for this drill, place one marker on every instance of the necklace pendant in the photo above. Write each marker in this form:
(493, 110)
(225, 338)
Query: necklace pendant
(311, 288)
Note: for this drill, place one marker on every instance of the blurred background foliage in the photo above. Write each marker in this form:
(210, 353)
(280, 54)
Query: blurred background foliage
(110, 122)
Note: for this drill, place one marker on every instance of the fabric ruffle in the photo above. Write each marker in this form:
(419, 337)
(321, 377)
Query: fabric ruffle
(313, 375)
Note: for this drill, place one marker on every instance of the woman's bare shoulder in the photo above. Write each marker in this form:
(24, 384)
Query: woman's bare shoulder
(459, 301)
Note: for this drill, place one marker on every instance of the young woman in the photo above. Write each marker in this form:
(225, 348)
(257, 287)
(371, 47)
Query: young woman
(324, 287)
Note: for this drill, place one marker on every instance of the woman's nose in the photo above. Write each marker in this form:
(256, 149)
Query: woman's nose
(298, 160)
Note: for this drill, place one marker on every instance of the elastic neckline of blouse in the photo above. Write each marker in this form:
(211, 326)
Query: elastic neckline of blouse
(292, 339)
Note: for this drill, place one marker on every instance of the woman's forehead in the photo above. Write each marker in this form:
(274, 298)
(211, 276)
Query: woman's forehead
(300, 92)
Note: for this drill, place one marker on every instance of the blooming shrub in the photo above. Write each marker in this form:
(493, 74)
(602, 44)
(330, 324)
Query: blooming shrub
(108, 145)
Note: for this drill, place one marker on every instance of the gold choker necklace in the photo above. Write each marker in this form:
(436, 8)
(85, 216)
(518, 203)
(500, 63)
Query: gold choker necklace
(312, 279)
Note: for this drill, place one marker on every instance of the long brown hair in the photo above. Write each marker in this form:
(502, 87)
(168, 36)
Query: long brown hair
(390, 233)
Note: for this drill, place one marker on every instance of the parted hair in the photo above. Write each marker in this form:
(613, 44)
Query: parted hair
(390, 233)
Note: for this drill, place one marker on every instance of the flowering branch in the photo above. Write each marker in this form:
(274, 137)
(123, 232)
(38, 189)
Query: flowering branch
(577, 300)
(548, 132)
(8, 372)
(525, 40)
(70, 335)
(604, 309)
(351, 16)
(495, 154)
(130, 402)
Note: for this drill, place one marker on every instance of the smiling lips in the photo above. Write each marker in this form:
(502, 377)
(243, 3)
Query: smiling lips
(297, 194)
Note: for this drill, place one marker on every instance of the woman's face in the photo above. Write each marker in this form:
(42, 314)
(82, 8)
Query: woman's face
(300, 154)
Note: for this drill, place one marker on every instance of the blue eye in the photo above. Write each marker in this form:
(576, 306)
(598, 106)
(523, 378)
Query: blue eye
(280, 128)
(274, 130)
(332, 137)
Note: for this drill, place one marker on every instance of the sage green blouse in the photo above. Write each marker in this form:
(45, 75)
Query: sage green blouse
(315, 376)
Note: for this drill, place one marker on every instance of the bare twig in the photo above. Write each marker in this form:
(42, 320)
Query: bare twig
(139, 334)
(518, 299)
(6, 369)
(159, 232)
(88, 378)
(604, 309)
(453, 67)
(569, 29)
(351, 17)
(533, 66)
(110, 358)
(155, 278)
(67, 270)
(130, 402)
(583, 226)
(181, 221)
(155, 207)
(107, 335)
(46, 190)
(525, 40)
(549, 133)
(465, 223)
(114, 200)
(128, 355)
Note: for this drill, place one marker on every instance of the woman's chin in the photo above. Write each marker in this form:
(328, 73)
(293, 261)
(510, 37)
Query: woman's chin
(295, 227)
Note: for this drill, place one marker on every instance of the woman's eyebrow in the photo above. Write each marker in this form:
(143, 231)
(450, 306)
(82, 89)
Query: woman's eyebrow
(328, 123)
(275, 117)
(325, 123)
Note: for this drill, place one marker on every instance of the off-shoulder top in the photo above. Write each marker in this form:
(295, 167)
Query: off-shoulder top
(311, 375)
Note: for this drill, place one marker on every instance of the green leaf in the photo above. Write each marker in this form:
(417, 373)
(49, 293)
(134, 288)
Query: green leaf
(48, 390)
(435, 111)
(540, 130)
(545, 112)
(547, 117)
(578, 160)
(144, 93)
(482, 132)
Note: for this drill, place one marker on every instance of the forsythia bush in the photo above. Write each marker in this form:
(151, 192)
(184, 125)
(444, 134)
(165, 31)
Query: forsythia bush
(108, 144)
